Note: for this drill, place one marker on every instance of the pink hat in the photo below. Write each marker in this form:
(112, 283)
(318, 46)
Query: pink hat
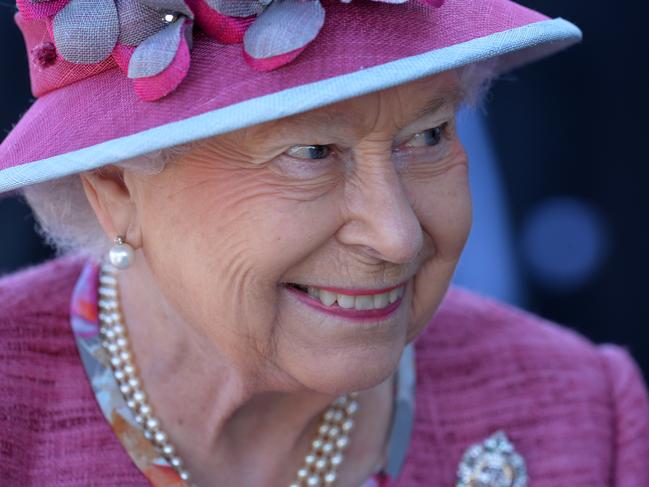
(115, 79)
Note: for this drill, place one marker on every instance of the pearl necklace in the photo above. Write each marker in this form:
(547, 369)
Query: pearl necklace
(325, 453)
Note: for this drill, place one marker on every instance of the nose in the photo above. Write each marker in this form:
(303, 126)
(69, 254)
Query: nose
(380, 218)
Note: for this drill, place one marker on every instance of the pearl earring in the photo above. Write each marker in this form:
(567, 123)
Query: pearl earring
(121, 254)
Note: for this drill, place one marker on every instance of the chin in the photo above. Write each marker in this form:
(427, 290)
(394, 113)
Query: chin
(347, 368)
(368, 375)
(335, 351)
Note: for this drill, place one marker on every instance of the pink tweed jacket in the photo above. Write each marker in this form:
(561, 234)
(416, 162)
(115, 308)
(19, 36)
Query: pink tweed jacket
(577, 412)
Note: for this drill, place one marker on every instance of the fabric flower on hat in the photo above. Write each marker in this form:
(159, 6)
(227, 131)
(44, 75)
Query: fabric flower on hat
(273, 32)
(150, 40)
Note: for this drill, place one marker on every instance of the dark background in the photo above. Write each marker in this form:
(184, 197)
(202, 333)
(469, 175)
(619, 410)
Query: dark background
(571, 136)
(583, 134)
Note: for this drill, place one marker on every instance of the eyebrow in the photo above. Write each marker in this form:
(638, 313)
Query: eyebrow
(451, 97)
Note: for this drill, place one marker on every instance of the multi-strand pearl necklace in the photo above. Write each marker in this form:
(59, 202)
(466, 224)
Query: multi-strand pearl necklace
(325, 453)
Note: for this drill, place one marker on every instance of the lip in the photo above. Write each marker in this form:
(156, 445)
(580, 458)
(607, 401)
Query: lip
(351, 313)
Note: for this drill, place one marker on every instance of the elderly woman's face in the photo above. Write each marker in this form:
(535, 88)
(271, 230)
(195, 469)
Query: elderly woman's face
(245, 234)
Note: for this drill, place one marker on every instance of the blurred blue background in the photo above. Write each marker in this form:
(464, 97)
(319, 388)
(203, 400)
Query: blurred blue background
(559, 171)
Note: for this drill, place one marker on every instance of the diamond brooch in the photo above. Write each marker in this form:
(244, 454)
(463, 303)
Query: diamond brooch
(492, 463)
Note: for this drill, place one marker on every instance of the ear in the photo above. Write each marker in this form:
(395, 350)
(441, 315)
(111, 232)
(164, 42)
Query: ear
(112, 203)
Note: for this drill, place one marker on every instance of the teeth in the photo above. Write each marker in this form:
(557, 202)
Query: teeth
(381, 300)
(375, 301)
(364, 302)
(345, 301)
(394, 295)
(327, 298)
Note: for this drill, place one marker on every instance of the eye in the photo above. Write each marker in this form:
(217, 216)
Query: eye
(309, 151)
(430, 137)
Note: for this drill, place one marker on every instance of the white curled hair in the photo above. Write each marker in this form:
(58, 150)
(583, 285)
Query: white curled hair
(64, 217)
(68, 223)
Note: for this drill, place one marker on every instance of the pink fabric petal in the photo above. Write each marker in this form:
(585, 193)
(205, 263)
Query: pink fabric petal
(39, 10)
(224, 29)
(158, 86)
(122, 56)
(270, 63)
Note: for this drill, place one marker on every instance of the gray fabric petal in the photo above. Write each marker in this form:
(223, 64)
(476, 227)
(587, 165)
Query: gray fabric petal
(155, 54)
(138, 21)
(170, 6)
(284, 26)
(238, 8)
(86, 31)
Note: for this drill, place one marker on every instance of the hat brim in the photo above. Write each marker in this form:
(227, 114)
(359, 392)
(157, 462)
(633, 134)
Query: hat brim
(99, 120)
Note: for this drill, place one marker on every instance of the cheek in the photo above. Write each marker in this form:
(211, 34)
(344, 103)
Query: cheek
(189, 225)
(445, 213)
(219, 248)
(443, 206)
(199, 242)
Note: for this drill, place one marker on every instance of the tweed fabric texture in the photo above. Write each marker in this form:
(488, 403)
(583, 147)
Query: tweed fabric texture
(577, 412)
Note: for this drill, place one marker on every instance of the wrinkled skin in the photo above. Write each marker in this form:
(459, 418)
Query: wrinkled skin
(239, 370)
